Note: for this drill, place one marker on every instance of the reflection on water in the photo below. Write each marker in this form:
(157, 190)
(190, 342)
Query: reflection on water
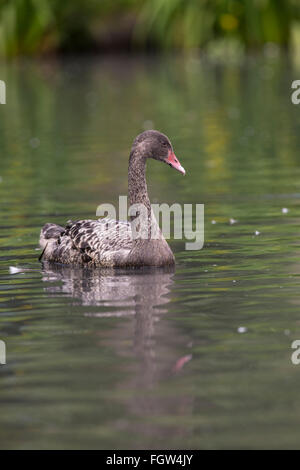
(143, 294)
(195, 358)
(112, 287)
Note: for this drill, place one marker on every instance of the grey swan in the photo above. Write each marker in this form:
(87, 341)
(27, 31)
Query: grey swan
(108, 243)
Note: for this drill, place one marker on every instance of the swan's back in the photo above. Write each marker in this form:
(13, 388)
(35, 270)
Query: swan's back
(102, 242)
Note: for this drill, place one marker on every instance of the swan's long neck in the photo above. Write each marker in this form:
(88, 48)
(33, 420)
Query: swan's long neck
(138, 194)
(137, 186)
(151, 248)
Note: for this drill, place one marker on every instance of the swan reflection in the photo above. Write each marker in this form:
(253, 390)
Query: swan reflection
(128, 292)
(143, 295)
(152, 347)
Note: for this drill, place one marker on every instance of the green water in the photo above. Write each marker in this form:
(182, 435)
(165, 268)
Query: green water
(199, 358)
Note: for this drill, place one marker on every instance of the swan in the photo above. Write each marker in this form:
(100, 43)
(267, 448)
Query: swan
(110, 243)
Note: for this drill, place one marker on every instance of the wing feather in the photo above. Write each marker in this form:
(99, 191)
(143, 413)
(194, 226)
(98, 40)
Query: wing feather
(100, 242)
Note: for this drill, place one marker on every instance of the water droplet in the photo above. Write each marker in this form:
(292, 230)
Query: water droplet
(34, 142)
(242, 329)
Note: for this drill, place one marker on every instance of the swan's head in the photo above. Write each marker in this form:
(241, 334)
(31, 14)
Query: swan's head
(154, 144)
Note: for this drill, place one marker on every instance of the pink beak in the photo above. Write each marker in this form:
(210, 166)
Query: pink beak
(174, 162)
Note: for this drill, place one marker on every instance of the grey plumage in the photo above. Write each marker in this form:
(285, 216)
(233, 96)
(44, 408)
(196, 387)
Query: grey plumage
(102, 242)
(110, 243)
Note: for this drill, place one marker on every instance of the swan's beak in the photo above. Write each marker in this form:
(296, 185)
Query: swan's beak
(174, 162)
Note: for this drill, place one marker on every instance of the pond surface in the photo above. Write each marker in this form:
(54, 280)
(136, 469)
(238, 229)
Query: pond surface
(197, 358)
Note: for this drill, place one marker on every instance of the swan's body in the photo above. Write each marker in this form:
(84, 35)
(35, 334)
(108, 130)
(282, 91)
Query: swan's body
(104, 242)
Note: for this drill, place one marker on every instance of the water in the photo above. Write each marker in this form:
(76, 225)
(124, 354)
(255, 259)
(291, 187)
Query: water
(196, 358)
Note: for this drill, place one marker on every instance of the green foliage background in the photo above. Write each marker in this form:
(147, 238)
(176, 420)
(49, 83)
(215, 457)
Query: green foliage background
(43, 26)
